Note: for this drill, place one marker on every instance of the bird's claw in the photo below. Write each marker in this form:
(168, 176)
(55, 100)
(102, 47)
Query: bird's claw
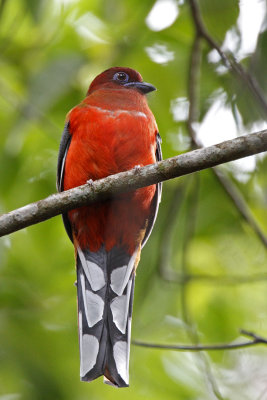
(137, 168)
(90, 182)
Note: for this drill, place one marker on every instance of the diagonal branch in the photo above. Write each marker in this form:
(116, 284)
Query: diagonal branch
(193, 94)
(229, 62)
(240, 203)
(103, 189)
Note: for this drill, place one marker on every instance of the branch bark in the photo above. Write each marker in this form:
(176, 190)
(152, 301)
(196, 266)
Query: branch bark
(103, 189)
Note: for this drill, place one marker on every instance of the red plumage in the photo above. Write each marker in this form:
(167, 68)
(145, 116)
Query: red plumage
(111, 131)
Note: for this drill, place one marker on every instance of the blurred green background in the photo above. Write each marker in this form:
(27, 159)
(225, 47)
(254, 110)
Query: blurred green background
(202, 275)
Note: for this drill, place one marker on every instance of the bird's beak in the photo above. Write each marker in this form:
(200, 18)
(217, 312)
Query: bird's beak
(144, 87)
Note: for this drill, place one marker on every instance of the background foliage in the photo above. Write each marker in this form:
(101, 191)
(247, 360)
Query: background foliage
(202, 275)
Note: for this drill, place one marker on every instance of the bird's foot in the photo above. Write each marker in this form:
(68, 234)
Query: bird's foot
(137, 168)
(90, 182)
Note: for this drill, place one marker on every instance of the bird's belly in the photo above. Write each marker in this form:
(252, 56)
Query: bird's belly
(117, 222)
(115, 145)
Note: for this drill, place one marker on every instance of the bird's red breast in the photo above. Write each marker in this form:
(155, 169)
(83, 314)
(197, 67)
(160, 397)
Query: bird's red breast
(112, 130)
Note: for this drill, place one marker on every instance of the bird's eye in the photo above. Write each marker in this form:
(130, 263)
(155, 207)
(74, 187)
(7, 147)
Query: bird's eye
(121, 77)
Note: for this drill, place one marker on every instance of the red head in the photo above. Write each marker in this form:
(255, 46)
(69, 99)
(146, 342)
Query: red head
(119, 77)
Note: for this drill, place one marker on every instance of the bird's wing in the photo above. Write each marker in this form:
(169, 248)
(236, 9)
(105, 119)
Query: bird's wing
(157, 196)
(63, 151)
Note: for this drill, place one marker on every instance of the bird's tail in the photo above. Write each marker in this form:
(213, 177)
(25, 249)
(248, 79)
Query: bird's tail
(105, 285)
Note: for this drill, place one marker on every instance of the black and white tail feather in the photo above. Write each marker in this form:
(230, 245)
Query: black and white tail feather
(105, 284)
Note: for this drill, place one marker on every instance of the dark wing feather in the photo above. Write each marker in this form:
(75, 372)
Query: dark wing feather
(157, 196)
(63, 151)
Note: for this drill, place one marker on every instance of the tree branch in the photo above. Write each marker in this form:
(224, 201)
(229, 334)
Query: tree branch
(193, 94)
(240, 203)
(255, 340)
(103, 189)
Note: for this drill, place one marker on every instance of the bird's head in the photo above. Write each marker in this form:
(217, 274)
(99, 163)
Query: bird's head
(119, 77)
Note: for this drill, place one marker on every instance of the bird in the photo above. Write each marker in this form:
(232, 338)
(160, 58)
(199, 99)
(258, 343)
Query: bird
(112, 130)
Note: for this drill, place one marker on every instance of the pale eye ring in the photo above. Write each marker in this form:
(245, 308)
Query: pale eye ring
(121, 77)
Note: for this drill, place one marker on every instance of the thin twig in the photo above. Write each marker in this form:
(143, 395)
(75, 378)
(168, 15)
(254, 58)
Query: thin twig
(193, 89)
(103, 189)
(229, 62)
(255, 340)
